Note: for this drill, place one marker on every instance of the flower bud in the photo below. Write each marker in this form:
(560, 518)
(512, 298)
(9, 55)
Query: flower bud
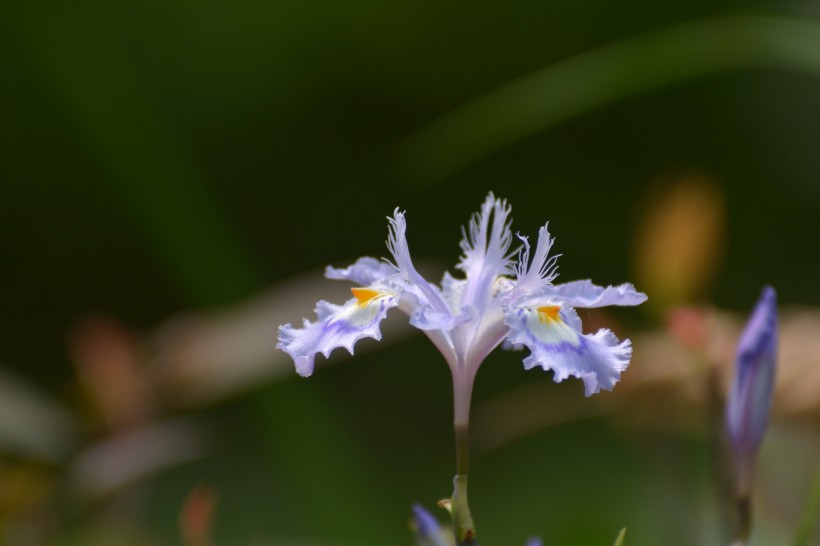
(750, 400)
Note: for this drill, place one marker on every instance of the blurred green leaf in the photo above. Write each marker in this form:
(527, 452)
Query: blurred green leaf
(167, 194)
(77, 56)
(810, 515)
(619, 541)
(614, 72)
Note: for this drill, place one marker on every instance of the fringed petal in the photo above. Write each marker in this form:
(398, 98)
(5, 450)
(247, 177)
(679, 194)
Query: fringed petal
(532, 276)
(587, 294)
(486, 249)
(553, 335)
(337, 326)
(425, 293)
(365, 271)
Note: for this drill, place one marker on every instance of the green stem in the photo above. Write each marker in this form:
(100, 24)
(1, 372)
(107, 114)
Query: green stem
(462, 519)
(462, 449)
(744, 518)
(744, 468)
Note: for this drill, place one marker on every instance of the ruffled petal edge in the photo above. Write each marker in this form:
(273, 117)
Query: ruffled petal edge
(586, 294)
(554, 338)
(365, 271)
(336, 326)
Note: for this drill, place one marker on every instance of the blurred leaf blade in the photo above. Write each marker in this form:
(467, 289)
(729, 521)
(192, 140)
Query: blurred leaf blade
(164, 190)
(602, 76)
(810, 515)
(78, 56)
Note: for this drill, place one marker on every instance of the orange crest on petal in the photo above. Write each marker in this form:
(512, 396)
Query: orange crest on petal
(364, 295)
(549, 313)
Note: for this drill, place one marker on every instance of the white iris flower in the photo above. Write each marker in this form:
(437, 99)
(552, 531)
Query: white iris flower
(499, 299)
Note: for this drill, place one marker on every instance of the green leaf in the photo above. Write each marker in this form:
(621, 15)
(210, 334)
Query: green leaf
(619, 541)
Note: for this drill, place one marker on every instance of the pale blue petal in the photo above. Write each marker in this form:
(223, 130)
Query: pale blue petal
(535, 541)
(452, 290)
(488, 332)
(558, 344)
(425, 317)
(365, 271)
(337, 326)
(533, 276)
(426, 293)
(486, 249)
(508, 345)
(586, 294)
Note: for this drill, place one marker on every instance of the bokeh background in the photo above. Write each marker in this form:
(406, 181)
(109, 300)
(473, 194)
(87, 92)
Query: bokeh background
(175, 175)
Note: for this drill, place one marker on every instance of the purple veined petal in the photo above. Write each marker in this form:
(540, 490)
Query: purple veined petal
(533, 276)
(486, 246)
(365, 271)
(586, 294)
(337, 326)
(553, 335)
(750, 398)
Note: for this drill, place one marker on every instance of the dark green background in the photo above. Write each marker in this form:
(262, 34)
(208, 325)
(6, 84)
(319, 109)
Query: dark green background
(163, 156)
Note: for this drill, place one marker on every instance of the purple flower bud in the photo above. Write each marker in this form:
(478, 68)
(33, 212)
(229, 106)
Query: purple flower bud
(750, 399)
(535, 541)
(428, 530)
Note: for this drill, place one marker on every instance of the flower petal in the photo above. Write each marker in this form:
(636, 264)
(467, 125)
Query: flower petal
(452, 290)
(365, 271)
(586, 294)
(426, 318)
(531, 277)
(553, 335)
(486, 251)
(337, 326)
(426, 293)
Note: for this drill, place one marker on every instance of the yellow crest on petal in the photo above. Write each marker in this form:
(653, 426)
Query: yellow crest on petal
(548, 313)
(364, 295)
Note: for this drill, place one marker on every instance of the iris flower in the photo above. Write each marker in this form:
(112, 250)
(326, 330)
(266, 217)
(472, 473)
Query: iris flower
(499, 299)
(507, 296)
